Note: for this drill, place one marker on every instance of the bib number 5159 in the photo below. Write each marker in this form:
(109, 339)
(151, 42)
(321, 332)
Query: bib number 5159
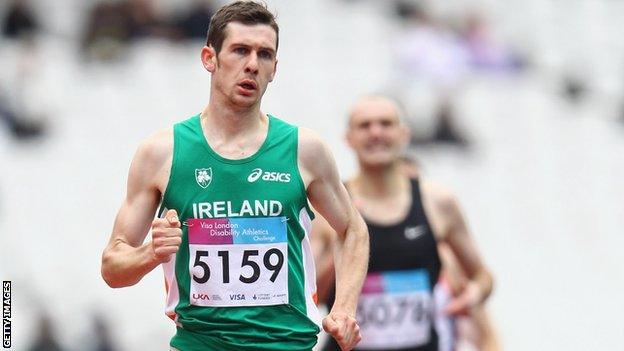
(272, 260)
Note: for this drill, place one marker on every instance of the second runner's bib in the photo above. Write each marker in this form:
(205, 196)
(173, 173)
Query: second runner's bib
(394, 310)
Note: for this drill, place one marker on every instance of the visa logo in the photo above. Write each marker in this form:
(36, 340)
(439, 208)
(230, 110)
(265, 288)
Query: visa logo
(237, 296)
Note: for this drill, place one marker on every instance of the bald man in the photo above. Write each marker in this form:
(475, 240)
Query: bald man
(407, 217)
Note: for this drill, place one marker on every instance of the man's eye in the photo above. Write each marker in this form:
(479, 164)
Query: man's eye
(265, 55)
(240, 50)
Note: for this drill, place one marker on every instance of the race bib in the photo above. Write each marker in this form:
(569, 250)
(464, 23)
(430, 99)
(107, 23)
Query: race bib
(238, 261)
(395, 309)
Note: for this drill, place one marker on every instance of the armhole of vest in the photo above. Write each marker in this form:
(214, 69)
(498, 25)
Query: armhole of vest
(165, 197)
(417, 190)
(302, 187)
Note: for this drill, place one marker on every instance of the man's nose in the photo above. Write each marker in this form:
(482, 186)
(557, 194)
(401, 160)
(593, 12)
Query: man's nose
(251, 65)
(375, 129)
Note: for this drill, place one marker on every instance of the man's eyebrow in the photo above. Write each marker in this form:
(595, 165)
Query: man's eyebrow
(268, 48)
(239, 45)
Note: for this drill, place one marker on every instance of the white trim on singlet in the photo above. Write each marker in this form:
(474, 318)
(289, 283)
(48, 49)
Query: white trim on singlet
(173, 294)
(309, 271)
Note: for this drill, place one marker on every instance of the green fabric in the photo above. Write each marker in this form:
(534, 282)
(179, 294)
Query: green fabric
(281, 327)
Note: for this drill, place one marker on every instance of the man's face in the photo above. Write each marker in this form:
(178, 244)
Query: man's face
(245, 65)
(375, 132)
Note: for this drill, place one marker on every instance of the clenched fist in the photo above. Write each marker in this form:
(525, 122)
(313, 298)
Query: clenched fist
(166, 236)
(343, 328)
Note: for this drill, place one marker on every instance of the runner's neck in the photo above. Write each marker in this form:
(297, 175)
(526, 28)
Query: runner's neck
(231, 124)
(233, 135)
(381, 183)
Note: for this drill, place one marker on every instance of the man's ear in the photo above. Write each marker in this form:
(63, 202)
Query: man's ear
(209, 58)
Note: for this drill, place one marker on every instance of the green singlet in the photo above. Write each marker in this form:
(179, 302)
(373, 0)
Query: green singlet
(243, 278)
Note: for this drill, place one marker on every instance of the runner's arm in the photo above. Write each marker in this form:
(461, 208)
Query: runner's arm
(329, 196)
(479, 288)
(126, 259)
(488, 339)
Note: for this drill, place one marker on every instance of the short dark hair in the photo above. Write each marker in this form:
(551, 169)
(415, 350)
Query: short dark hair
(245, 12)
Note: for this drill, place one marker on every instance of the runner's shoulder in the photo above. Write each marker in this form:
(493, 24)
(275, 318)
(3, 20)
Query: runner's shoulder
(312, 149)
(155, 150)
(439, 195)
(309, 141)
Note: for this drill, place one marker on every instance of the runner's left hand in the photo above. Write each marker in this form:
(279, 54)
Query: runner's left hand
(467, 299)
(343, 328)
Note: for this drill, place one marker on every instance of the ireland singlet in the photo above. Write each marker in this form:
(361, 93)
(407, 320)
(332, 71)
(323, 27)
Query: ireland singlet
(243, 278)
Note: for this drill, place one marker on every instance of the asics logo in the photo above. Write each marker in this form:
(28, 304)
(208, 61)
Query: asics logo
(255, 174)
(267, 176)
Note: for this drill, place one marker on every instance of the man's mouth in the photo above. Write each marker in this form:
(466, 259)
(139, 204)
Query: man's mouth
(248, 85)
(377, 147)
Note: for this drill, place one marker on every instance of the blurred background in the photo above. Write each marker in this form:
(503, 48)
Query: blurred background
(516, 105)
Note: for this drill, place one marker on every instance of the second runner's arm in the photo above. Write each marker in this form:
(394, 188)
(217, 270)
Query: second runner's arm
(480, 284)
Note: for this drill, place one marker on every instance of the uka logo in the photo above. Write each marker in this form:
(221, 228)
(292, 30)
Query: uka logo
(201, 297)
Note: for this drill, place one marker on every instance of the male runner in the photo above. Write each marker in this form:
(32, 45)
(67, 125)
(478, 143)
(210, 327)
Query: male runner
(407, 218)
(233, 186)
